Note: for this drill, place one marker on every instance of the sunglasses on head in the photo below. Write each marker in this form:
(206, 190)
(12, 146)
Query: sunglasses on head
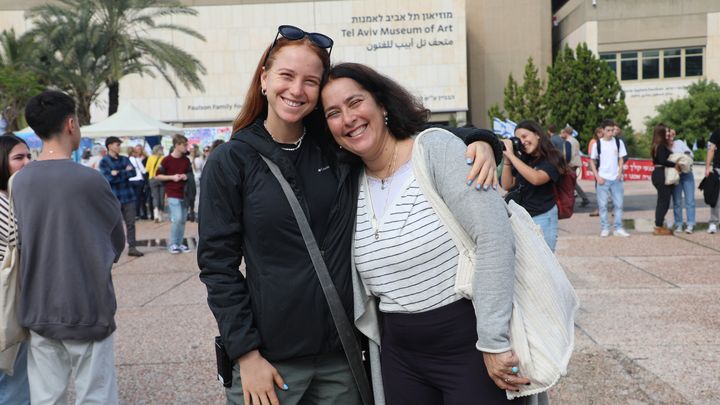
(292, 33)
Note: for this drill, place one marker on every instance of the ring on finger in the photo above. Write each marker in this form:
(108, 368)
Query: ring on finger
(507, 380)
(514, 369)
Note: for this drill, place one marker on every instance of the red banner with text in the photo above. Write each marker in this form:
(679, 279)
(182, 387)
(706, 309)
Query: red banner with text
(633, 169)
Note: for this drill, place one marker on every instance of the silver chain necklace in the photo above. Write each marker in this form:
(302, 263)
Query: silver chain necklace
(296, 144)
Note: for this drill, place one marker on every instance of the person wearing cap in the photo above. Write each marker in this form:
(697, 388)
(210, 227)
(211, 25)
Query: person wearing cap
(118, 170)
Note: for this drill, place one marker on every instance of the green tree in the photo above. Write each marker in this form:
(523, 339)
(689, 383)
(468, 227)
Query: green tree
(122, 40)
(533, 89)
(523, 101)
(495, 112)
(17, 84)
(582, 90)
(693, 116)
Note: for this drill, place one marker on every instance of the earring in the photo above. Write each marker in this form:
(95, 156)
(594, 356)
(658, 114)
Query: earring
(386, 118)
(263, 91)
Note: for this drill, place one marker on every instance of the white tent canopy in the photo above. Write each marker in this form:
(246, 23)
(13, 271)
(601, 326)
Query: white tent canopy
(128, 122)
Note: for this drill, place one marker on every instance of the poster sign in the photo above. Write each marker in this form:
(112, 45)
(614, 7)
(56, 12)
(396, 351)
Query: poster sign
(633, 169)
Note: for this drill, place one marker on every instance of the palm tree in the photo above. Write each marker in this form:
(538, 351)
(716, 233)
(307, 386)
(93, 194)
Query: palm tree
(17, 83)
(70, 54)
(123, 44)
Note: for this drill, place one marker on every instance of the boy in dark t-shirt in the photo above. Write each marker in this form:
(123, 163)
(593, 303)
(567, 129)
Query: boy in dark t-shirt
(173, 172)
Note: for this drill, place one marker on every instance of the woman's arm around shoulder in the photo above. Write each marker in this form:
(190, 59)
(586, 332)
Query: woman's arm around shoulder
(484, 217)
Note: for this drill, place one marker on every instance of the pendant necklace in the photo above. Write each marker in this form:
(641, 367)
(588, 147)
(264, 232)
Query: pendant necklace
(387, 180)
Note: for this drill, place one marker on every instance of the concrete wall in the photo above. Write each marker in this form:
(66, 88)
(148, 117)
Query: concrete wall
(501, 36)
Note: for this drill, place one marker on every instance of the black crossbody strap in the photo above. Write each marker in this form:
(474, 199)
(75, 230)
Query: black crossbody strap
(342, 324)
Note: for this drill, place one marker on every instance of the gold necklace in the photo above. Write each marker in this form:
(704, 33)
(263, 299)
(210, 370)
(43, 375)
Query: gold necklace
(374, 221)
(388, 173)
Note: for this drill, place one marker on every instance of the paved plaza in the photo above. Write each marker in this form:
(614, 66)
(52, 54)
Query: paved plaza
(647, 332)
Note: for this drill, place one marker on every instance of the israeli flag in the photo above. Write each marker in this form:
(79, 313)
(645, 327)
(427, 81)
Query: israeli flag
(498, 126)
(509, 128)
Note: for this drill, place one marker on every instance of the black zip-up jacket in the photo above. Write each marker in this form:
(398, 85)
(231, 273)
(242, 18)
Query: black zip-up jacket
(279, 307)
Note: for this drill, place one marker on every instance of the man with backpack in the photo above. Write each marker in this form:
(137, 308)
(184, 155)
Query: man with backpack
(606, 163)
(574, 159)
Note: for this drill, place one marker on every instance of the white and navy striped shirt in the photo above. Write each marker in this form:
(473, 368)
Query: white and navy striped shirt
(411, 266)
(7, 231)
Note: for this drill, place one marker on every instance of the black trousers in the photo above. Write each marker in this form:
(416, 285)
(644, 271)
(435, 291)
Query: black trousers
(430, 358)
(664, 195)
(139, 188)
(128, 212)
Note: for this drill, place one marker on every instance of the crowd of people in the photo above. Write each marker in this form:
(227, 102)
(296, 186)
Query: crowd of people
(147, 190)
(322, 157)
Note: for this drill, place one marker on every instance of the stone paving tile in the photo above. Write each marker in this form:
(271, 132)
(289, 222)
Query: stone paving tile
(170, 383)
(190, 291)
(619, 318)
(638, 244)
(685, 271)
(606, 377)
(165, 334)
(671, 363)
(137, 289)
(608, 272)
(158, 260)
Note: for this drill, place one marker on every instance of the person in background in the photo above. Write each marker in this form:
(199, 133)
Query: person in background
(596, 135)
(660, 153)
(192, 187)
(173, 172)
(157, 189)
(529, 179)
(606, 163)
(14, 155)
(575, 162)
(198, 162)
(96, 154)
(67, 300)
(437, 347)
(118, 171)
(215, 144)
(686, 187)
(85, 158)
(712, 163)
(138, 182)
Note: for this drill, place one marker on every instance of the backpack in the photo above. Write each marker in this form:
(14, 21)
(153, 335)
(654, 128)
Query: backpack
(564, 191)
(617, 144)
(568, 151)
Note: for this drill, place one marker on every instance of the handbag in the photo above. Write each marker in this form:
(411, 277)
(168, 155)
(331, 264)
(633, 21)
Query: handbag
(542, 324)
(11, 332)
(672, 176)
(342, 323)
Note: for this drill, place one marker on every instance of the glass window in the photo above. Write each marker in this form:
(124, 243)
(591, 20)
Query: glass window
(694, 62)
(651, 64)
(628, 66)
(611, 60)
(671, 63)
